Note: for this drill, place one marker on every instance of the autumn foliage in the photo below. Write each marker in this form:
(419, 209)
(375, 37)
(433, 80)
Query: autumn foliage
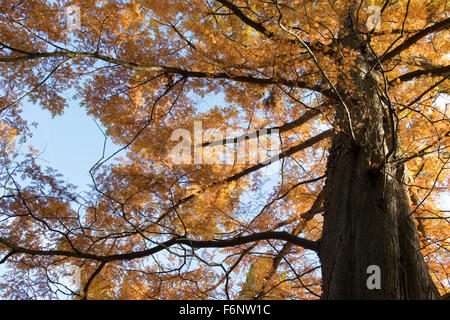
(151, 228)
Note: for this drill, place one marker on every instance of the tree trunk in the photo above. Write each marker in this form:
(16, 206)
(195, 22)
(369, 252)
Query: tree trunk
(367, 222)
(367, 218)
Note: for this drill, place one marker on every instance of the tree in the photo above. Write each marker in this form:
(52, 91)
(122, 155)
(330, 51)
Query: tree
(352, 90)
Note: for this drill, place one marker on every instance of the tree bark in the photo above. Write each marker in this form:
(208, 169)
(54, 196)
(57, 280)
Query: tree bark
(367, 222)
(367, 217)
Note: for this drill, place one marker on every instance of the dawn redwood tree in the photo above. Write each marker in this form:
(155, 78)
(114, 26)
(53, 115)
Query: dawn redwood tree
(354, 92)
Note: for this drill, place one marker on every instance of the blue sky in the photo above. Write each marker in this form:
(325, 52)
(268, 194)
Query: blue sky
(70, 143)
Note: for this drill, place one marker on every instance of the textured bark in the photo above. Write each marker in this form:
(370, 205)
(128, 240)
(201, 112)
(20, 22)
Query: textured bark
(367, 218)
(367, 222)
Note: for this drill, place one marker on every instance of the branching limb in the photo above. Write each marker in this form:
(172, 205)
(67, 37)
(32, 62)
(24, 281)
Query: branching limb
(306, 144)
(196, 244)
(167, 69)
(308, 115)
(439, 26)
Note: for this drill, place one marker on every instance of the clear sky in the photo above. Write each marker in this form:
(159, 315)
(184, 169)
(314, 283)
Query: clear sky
(70, 143)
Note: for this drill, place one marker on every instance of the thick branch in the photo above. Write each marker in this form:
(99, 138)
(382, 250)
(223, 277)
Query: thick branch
(435, 72)
(316, 46)
(91, 278)
(255, 25)
(308, 115)
(195, 244)
(306, 144)
(169, 70)
(439, 26)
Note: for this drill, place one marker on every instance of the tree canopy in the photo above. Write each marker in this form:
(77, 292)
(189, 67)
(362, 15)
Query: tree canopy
(154, 228)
